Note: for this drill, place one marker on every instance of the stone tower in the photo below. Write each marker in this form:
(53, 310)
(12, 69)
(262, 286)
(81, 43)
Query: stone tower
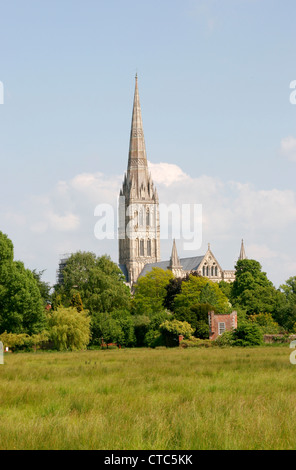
(139, 230)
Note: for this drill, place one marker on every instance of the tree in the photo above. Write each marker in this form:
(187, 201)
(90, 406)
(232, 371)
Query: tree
(226, 288)
(44, 287)
(141, 328)
(200, 290)
(98, 280)
(153, 336)
(21, 305)
(76, 302)
(247, 334)
(252, 290)
(173, 288)
(150, 292)
(69, 329)
(285, 313)
(266, 323)
(115, 327)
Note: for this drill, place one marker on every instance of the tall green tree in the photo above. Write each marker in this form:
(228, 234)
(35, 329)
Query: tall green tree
(21, 305)
(252, 290)
(285, 313)
(200, 290)
(69, 329)
(98, 280)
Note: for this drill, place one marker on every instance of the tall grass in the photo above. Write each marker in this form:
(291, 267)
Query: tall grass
(149, 399)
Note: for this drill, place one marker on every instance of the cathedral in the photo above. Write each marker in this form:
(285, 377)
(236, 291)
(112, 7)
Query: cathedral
(139, 224)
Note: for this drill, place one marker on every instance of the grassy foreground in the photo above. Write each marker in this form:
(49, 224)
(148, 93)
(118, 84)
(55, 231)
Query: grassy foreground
(149, 399)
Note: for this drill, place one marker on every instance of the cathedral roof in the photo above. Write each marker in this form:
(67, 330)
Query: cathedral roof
(188, 264)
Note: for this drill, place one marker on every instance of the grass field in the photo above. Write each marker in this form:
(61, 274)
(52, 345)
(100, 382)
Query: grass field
(186, 399)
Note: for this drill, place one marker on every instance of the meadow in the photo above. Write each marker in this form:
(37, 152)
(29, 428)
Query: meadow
(162, 399)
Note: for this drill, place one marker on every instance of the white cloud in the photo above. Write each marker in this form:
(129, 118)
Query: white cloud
(288, 148)
(166, 173)
(63, 223)
(262, 252)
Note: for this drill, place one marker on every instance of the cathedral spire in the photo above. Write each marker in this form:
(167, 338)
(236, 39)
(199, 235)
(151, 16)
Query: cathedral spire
(175, 265)
(139, 241)
(137, 159)
(242, 254)
(174, 261)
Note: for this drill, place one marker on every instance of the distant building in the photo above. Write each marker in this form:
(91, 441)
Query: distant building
(139, 226)
(62, 264)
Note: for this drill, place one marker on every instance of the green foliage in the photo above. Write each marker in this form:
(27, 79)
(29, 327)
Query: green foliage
(150, 292)
(197, 315)
(194, 342)
(69, 329)
(289, 289)
(20, 341)
(98, 280)
(266, 323)
(200, 290)
(21, 305)
(285, 313)
(141, 328)
(173, 288)
(247, 334)
(202, 330)
(153, 337)
(225, 340)
(76, 302)
(115, 327)
(44, 287)
(172, 329)
(252, 290)
(226, 288)
(6, 249)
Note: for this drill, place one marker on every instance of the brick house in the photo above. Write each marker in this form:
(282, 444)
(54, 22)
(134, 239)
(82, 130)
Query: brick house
(219, 323)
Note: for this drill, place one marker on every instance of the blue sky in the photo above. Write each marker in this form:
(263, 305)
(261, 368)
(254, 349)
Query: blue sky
(214, 81)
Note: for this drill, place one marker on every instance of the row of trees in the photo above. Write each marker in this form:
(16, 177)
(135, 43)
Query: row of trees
(94, 304)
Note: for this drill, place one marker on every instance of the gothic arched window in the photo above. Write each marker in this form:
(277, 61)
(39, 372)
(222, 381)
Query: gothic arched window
(141, 247)
(148, 247)
(141, 218)
(148, 218)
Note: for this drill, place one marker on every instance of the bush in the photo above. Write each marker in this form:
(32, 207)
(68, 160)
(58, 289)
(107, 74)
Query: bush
(172, 329)
(22, 341)
(153, 339)
(202, 330)
(266, 322)
(69, 329)
(248, 334)
(226, 339)
(194, 342)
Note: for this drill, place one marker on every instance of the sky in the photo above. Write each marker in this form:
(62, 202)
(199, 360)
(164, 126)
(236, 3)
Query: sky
(216, 90)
